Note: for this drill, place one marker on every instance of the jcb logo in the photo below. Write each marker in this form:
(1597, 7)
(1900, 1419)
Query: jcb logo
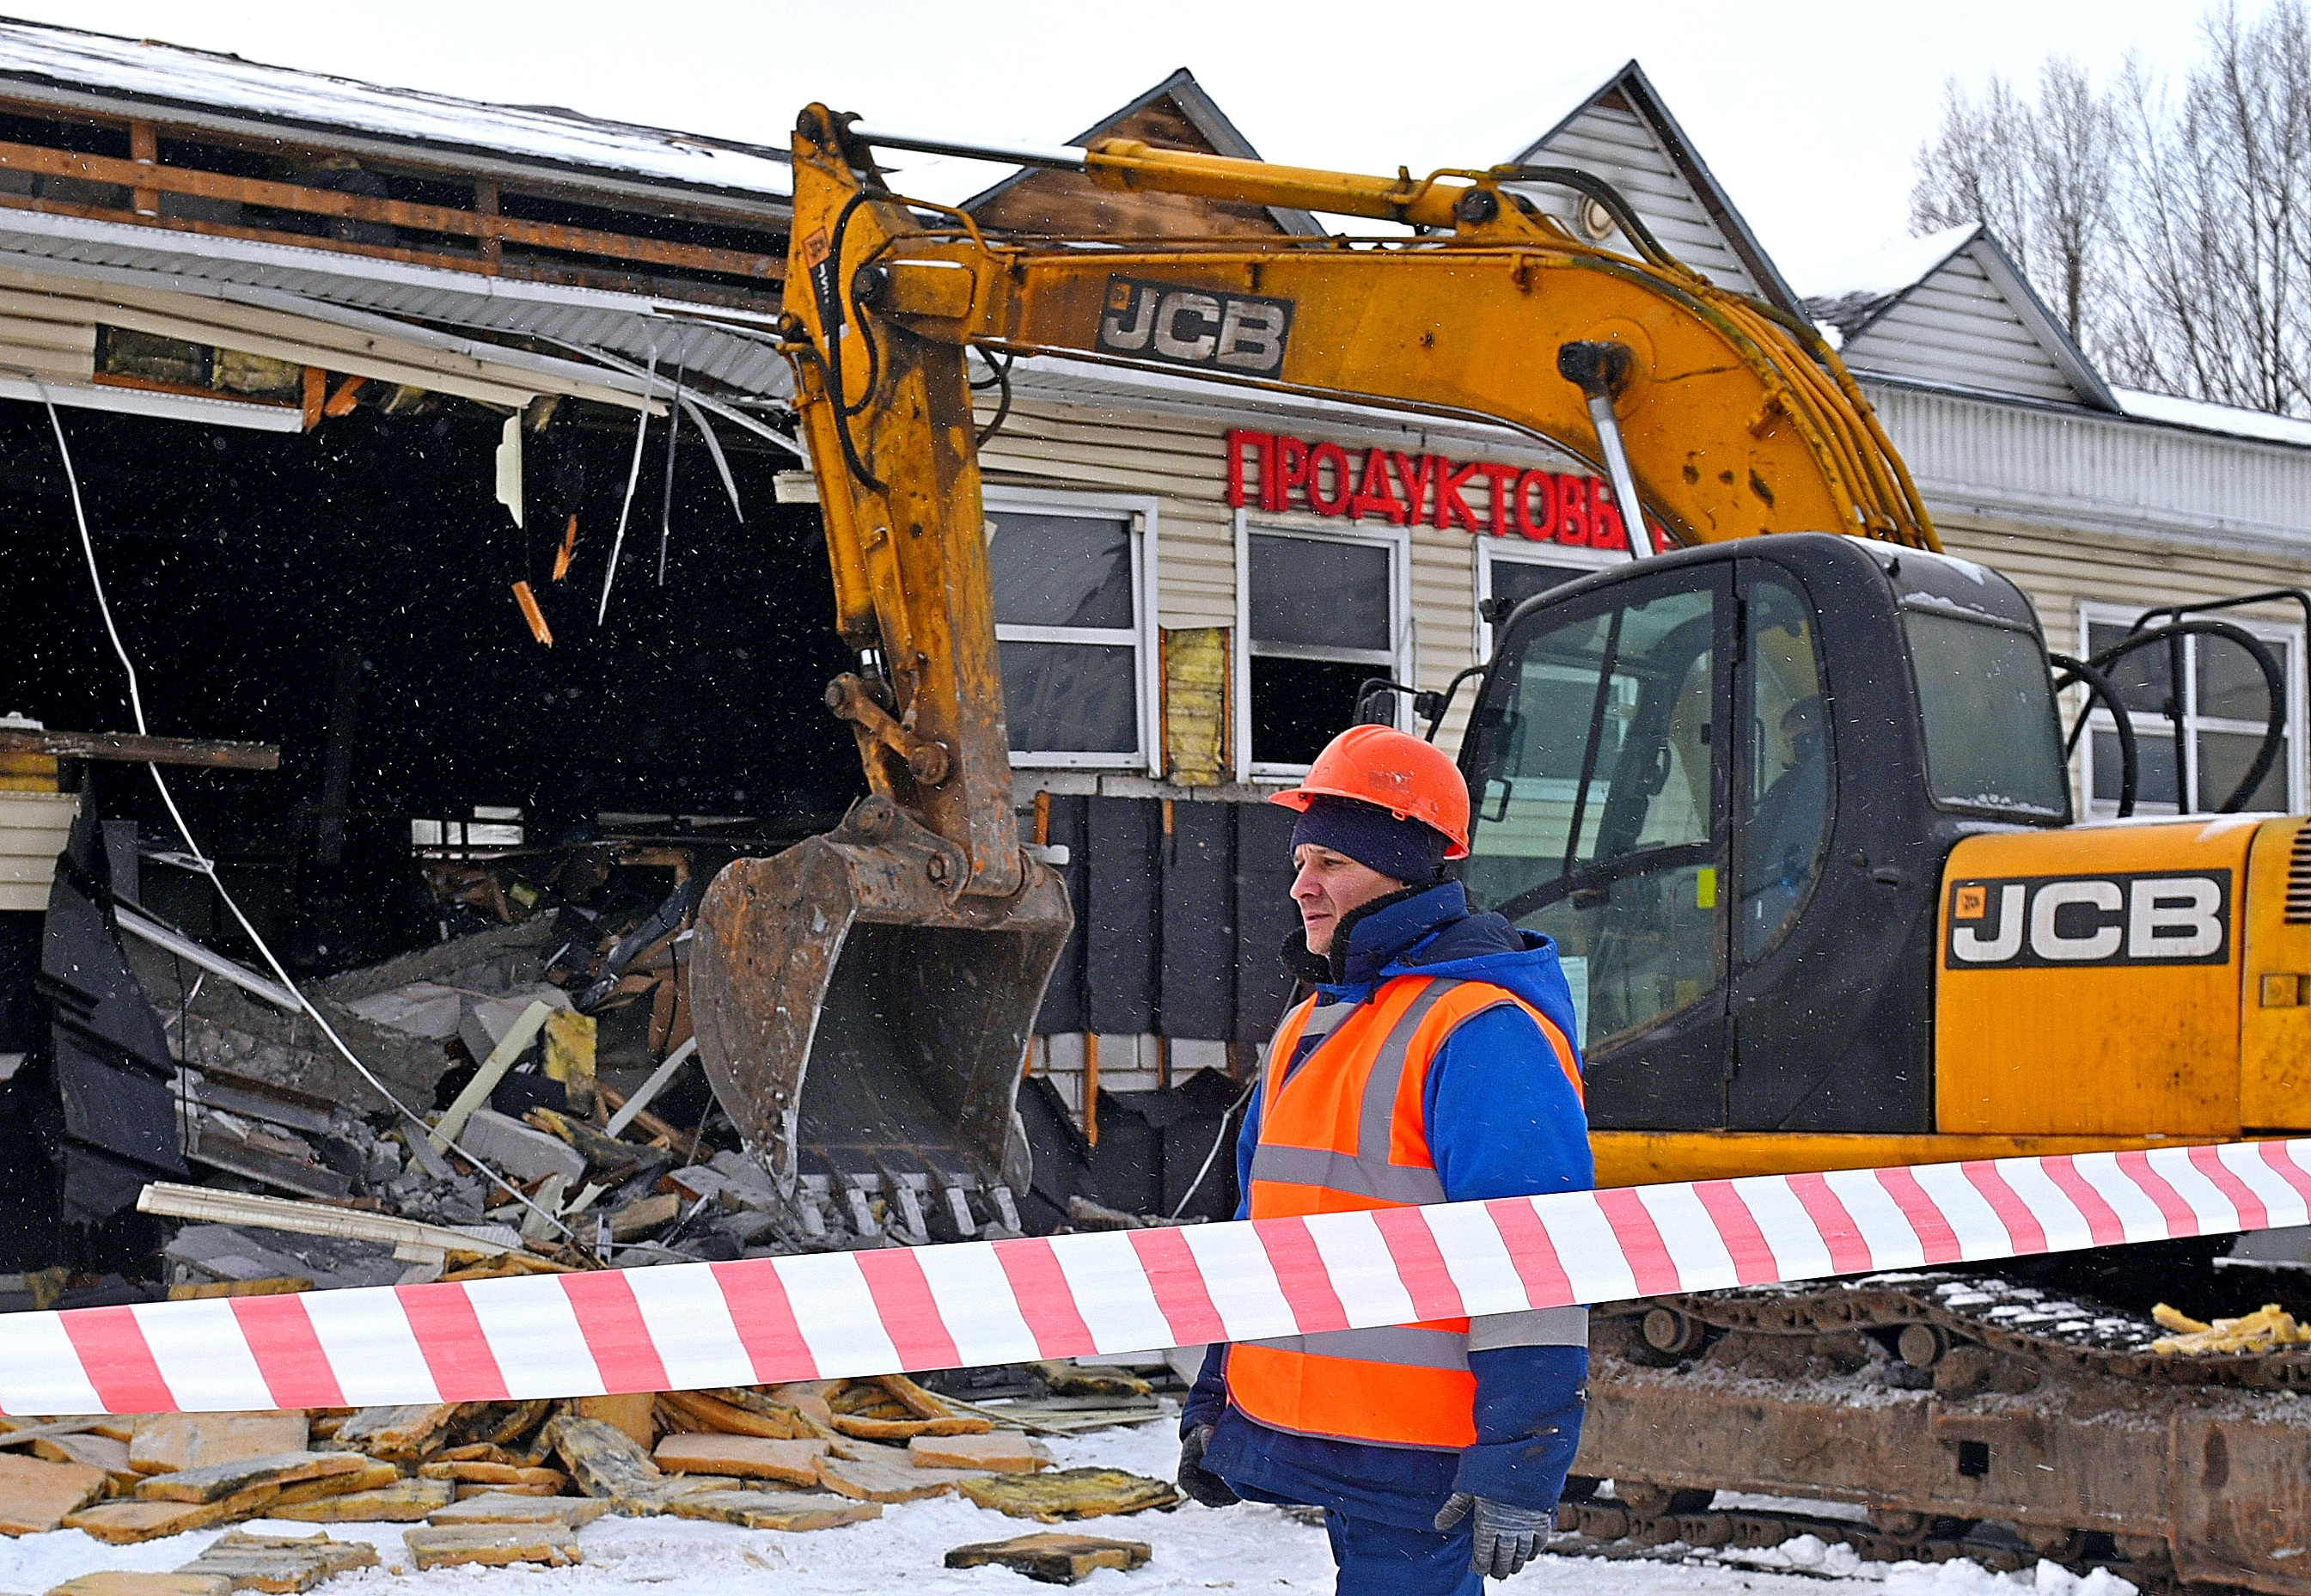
(2051, 921)
(1192, 327)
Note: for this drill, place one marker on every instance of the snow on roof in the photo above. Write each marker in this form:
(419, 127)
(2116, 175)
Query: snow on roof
(175, 75)
(1884, 273)
(2204, 417)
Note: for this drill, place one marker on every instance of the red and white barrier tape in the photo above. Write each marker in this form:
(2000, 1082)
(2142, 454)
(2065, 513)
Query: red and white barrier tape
(762, 1321)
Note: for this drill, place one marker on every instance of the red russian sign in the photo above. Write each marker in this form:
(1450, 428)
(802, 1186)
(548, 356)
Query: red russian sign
(1275, 470)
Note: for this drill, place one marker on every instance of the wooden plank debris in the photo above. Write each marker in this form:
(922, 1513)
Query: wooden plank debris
(35, 1496)
(493, 1545)
(213, 1482)
(1010, 1453)
(170, 1443)
(774, 1510)
(404, 1502)
(128, 748)
(125, 1524)
(1068, 1494)
(115, 1582)
(281, 1564)
(1053, 1559)
(749, 1457)
(499, 1508)
(887, 1478)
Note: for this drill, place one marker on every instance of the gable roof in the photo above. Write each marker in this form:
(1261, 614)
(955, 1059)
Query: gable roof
(1194, 121)
(1952, 309)
(1622, 132)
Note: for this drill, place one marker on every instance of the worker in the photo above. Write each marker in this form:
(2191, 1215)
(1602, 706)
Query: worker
(1437, 1452)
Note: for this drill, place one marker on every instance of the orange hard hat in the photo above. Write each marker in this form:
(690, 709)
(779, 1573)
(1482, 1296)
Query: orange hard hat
(1392, 770)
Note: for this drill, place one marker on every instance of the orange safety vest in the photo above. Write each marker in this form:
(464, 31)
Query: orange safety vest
(1347, 1131)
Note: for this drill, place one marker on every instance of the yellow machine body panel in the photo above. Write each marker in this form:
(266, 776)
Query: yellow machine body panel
(2089, 980)
(2275, 995)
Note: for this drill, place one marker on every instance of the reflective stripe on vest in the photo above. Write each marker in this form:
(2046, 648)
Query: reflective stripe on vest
(1347, 1131)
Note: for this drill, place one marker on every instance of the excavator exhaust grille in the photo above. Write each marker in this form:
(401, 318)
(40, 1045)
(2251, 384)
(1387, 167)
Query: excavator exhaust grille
(2298, 877)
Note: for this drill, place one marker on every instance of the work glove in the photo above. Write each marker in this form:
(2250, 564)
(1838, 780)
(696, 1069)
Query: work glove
(1196, 1481)
(1506, 1538)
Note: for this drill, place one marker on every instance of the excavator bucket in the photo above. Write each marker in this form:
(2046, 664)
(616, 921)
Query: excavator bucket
(866, 1030)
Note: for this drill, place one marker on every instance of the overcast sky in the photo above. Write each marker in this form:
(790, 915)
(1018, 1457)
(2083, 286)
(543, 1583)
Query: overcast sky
(1808, 110)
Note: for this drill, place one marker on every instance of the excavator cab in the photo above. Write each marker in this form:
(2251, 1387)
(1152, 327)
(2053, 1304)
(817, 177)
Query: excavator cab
(1725, 782)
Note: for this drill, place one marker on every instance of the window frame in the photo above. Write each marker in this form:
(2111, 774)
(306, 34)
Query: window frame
(2287, 636)
(1142, 512)
(1492, 551)
(1396, 660)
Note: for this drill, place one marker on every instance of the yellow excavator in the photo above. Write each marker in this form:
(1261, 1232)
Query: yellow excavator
(1791, 798)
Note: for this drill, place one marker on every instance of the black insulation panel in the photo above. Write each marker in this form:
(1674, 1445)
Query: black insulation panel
(1122, 949)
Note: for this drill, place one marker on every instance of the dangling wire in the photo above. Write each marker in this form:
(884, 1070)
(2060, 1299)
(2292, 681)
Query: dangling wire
(205, 865)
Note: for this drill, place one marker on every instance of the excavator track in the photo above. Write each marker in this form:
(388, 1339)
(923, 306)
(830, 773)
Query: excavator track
(1964, 1415)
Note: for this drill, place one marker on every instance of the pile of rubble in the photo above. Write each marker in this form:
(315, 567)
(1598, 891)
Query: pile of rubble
(498, 1483)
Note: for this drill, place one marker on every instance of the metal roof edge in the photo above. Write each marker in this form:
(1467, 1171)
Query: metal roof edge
(1905, 292)
(2050, 333)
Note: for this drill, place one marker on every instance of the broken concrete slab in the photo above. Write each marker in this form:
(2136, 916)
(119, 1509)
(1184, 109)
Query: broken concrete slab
(119, 1583)
(601, 1458)
(493, 1545)
(1007, 1453)
(518, 1151)
(279, 1563)
(97, 1452)
(1053, 1559)
(125, 1524)
(774, 1510)
(511, 1488)
(750, 1457)
(499, 1508)
(217, 1481)
(171, 1443)
(404, 1502)
(1068, 1493)
(632, 1412)
(887, 1479)
(401, 1435)
(36, 1496)
(806, 1397)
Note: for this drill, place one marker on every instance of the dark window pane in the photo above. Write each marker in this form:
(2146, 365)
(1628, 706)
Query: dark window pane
(1319, 595)
(1299, 705)
(1991, 737)
(2142, 676)
(1070, 698)
(1788, 762)
(2231, 684)
(2154, 778)
(1517, 581)
(2224, 760)
(1060, 571)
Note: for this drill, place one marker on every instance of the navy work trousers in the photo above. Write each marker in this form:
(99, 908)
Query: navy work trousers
(1378, 1559)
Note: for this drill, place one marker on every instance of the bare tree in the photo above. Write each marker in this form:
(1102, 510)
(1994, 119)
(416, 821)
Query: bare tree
(2039, 175)
(2166, 227)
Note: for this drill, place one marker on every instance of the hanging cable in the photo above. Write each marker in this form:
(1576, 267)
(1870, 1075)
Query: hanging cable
(202, 863)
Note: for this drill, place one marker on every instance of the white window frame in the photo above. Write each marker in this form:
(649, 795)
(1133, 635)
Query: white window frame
(1525, 552)
(2290, 642)
(1395, 660)
(1141, 510)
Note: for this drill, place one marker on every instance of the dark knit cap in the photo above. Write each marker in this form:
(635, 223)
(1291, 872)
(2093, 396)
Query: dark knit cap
(1407, 850)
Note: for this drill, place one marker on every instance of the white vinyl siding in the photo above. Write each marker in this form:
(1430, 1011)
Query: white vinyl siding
(1956, 328)
(1612, 142)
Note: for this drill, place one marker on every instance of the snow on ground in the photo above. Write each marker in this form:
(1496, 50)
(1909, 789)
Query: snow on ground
(1248, 1548)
